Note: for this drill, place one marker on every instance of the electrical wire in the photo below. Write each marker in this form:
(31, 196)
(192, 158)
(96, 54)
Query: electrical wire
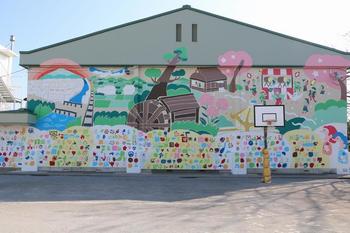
(17, 71)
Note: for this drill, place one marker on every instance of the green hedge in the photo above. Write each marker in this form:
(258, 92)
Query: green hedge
(110, 118)
(198, 128)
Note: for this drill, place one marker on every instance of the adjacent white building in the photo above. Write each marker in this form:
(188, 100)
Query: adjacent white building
(7, 99)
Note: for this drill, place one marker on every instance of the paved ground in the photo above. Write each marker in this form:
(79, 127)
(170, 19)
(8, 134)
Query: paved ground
(172, 203)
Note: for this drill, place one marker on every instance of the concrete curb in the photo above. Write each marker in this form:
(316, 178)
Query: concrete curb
(191, 174)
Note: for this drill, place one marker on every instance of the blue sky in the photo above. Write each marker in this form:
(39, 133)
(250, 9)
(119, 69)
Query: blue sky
(38, 23)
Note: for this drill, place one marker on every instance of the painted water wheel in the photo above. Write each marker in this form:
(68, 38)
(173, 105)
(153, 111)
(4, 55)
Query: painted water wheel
(149, 115)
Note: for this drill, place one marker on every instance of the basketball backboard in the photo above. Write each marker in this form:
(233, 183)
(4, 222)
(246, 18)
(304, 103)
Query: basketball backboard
(269, 115)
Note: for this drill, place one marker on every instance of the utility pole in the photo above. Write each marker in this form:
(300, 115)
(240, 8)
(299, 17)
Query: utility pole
(12, 41)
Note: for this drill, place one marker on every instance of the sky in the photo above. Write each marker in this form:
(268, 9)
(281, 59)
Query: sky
(39, 23)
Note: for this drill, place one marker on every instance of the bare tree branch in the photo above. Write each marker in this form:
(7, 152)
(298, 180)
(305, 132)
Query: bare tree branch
(154, 80)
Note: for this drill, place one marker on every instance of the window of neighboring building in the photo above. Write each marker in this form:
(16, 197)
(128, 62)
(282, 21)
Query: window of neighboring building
(178, 32)
(194, 33)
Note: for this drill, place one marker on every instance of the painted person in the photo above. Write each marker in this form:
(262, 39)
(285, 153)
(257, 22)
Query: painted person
(278, 96)
(306, 105)
(312, 94)
(297, 86)
(313, 82)
(262, 96)
(305, 83)
(323, 91)
(288, 83)
(267, 82)
(246, 84)
(253, 90)
(280, 81)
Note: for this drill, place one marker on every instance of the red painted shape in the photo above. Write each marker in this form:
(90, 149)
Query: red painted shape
(276, 71)
(60, 63)
(290, 91)
(266, 90)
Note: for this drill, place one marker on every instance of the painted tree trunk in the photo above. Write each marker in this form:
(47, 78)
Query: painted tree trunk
(160, 88)
(233, 85)
(342, 89)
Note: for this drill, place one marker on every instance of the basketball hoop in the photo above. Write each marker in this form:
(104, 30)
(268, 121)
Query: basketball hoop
(269, 115)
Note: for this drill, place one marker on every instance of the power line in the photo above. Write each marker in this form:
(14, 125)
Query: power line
(17, 71)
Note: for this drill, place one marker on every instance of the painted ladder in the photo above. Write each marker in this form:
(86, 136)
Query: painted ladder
(89, 114)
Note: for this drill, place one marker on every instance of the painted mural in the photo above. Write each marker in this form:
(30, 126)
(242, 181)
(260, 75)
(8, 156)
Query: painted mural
(181, 117)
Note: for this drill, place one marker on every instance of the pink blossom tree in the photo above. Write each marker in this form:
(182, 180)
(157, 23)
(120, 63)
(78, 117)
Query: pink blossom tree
(329, 69)
(213, 107)
(231, 63)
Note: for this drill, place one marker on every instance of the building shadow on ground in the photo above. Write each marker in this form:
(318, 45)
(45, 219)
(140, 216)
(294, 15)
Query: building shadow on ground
(158, 187)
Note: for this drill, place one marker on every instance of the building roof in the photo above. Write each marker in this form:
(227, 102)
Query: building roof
(143, 42)
(208, 74)
(180, 102)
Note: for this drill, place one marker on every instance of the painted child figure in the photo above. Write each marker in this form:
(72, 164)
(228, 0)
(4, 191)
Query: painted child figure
(253, 90)
(323, 91)
(297, 86)
(277, 96)
(312, 94)
(306, 105)
(305, 84)
(262, 96)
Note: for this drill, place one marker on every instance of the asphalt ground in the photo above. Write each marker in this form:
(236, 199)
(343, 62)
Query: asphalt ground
(173, 203)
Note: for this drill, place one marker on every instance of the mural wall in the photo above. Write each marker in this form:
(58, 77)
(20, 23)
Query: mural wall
(181, 117)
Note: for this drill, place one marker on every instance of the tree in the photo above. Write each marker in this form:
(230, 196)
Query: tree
(244, 121)
(160, 88)
(178, 74)
(153, 74)
(231, 63)
(329, 69)
(141, 97)
(212, 107)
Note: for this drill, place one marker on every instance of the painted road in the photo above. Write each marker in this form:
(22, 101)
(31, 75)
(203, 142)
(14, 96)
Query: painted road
(172, 203)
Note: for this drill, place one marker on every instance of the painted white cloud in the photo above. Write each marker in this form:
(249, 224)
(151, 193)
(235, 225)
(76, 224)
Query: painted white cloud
(107, 90)
(128, 90)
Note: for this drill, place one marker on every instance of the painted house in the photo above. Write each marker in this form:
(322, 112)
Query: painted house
(124, 98)
(208, 79)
